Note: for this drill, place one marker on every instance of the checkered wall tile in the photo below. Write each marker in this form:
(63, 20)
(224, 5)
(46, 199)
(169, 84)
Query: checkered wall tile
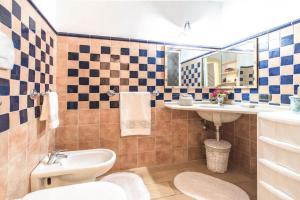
(95, 70)
(279, 71)
(34, 64)
(191, 73)
(133, 68)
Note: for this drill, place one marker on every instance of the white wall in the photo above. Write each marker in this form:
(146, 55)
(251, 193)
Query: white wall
(49, 10)
(150, 20)
(214, 23)
(243, 18)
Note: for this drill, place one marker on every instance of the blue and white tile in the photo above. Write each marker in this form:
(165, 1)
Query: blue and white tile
(287, 89)
(274, 62)
(297, 33)
(274, 80)
(287, 50)
(287, 70)
(287, 31)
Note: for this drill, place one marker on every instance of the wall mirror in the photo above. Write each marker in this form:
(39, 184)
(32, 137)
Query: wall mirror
(212, 65)
(239, 65)
(235, 67)
(183, 66)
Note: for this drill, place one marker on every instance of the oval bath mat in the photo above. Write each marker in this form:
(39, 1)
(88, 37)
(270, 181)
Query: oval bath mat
(131, 183)
(203, 187)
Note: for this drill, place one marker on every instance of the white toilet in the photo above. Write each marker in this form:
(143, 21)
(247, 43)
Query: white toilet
(88, 191)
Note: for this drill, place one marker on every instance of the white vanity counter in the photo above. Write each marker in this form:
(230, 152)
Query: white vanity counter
(240, 108)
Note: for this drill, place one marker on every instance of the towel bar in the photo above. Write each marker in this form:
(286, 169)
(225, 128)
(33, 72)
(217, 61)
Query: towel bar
(111, 93)
(34, 93)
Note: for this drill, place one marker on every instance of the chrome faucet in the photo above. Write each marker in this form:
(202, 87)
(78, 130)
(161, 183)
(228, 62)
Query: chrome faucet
(220, 100)
(54, 155)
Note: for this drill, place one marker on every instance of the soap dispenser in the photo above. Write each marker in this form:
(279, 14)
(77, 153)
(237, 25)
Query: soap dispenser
(295, 102)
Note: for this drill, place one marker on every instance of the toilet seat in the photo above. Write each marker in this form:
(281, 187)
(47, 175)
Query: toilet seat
(85, 191)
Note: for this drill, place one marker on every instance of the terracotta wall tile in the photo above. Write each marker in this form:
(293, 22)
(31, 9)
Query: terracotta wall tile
(180, 155)
(66, 135)
(89, 134)
(17, 186)
(163, 143)
(163, 128)
(3, 180)
(68, 118)
(242, 128)
(33, 156)
(4, 148)
(89, 116)
(128, 161)
(195, 153)
(146, 144)
(129, 145)
(146, 159)
(110, 132)
(111, 116)
(193, 115)
(17, 141)
(163, 114)
(179, 114)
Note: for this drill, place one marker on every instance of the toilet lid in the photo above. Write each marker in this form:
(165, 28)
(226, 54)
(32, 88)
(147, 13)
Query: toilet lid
(84, 191)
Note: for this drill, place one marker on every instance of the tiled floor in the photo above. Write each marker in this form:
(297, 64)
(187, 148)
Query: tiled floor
(159, 180)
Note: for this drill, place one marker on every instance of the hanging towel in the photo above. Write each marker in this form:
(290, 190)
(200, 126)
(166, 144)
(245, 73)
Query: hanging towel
(135, 113)
(50, 110)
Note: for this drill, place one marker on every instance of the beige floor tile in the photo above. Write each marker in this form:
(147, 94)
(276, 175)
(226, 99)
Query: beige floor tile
(176, 197)
(159, 179)
(160, 190)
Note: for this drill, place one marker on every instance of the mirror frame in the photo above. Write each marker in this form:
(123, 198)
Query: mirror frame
(210, 50)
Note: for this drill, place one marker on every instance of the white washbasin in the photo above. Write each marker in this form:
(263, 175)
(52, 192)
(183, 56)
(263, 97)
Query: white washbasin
(219, 117)
(79, 167)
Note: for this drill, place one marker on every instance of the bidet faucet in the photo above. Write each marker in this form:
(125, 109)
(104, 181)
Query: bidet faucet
(54, 155)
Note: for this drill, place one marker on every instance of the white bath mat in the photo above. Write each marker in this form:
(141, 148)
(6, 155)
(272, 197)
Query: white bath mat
(203, 187)
(131, 183)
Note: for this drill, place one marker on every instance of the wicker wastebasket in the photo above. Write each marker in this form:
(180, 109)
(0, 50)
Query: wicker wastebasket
(217, 154)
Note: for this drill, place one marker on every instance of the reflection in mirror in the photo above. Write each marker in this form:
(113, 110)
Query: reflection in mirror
(183, 66)
(173, 67)
(239, 65)
(211, 70)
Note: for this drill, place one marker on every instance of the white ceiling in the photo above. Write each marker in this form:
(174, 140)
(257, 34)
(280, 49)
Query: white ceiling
(214, 22)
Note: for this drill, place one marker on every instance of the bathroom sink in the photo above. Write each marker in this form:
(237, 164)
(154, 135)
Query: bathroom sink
(79, 167)
(219, 117)
(226, 113)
